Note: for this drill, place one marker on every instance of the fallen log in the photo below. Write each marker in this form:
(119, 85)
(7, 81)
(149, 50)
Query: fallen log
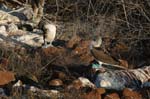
(119, 79)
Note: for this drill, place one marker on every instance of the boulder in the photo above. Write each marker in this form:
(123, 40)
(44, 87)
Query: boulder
(8, 18)
(95, 94)
(131, 94)
(6, 77)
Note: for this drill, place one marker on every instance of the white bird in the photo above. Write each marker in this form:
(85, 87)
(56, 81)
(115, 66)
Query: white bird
(49, 34)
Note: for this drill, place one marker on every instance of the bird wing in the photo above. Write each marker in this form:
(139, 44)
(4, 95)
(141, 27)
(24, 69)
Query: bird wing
(101, 56)
(106, 60)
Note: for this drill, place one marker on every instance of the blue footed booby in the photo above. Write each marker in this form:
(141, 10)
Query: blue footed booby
(49, 34)
(103, 59)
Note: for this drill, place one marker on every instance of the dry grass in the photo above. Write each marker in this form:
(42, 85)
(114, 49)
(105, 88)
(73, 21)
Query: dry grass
(126, 20)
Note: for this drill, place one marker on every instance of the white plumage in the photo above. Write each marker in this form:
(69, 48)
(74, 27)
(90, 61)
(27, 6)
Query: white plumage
(97, 43)
(49, 34)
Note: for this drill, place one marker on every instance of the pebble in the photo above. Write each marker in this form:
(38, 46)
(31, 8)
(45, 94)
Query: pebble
(55, 82)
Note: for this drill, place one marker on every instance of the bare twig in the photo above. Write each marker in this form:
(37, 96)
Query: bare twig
(18, 2)
(125, 13)
(49, 63)
(17, 10)
(57, 10)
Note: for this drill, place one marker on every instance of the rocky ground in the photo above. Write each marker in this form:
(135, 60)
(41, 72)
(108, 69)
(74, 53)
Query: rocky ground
(65, 71)
(56, 72)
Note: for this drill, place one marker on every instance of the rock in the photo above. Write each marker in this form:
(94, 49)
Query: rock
(59, 75)
(130, 94)
(112, 96)
(43, 93)
(24, 14)
(18, 84)
(76, 84)
(12, 27)
(66, 57)
(29, 39)
(28, 12)
(146, 84)
(22, 89)
(100, 90)
(145, 92)
(3, 30)
(2, 92)
(1, 40)
(52, 94)
(55, 82)
(95, 94)
(17, 89)
(21, 38)
(82, 50)
(80, 83)
(92, 95)
(7, 18)
(3, 7)
(16, 33)
(38, 31)
(86, 83)
(27, 26)
(120, 79)
(6, 77)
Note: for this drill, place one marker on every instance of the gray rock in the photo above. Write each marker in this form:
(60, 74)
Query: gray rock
(24, 14)
(28, 12)
(119, 79)
(12, 27)
(2, 92)
(2, 29)
(5, 18)
(4, 7)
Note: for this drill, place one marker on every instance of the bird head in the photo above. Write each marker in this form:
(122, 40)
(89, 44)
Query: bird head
(49, 27)
(96, 42)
